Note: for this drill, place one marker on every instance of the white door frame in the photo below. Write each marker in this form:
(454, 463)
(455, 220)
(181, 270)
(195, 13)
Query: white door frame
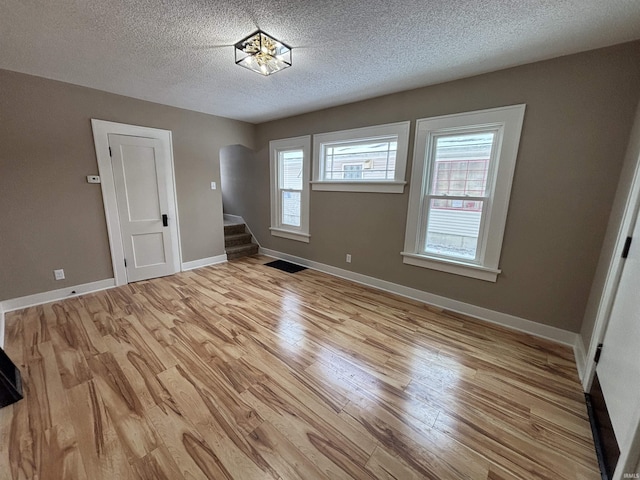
(614, 273)
(629, 454)
(101, 131)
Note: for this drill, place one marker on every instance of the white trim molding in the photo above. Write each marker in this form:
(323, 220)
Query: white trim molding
(299, 236)
(56, 295)
(547, 332)
(101, 131)
(204, 262)
(614, 272)
(365, 187)
(580, 356)
(1, 326)
(459, 268)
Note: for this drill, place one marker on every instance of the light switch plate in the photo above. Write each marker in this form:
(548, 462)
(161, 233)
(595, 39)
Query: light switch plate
(93, 178)
(213, 185)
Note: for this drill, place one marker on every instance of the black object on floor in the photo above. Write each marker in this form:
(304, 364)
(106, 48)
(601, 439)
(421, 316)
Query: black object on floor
(285, 266)
(604, 439)
(10, 381)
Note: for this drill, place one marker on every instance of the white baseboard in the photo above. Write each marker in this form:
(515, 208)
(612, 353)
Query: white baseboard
(579, 353)
(510, 321)
(55, 295)
(204, 262)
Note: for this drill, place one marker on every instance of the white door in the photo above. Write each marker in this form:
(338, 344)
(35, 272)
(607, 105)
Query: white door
(147, 219)
(619, 366)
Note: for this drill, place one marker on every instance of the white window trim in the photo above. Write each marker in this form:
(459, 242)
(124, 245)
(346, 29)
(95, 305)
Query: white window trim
(401, 129)
(277, 229)
(510, 119)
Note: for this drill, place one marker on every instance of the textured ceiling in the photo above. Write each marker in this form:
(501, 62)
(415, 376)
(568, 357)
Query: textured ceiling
(179, 52)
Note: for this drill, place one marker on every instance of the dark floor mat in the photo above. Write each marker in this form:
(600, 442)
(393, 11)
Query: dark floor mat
(285, 266)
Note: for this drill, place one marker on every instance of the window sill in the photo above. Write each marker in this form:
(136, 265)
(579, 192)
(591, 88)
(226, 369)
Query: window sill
(458, 268)
(291, 235)
(370, 187)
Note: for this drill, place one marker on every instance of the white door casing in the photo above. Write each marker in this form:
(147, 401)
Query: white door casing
(139, 173)
(619, 365)
(101, 131)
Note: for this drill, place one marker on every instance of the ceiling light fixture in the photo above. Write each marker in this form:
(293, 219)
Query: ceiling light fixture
(262, 53)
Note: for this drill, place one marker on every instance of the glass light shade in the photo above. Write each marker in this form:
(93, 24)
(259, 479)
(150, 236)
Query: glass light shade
(262, 54)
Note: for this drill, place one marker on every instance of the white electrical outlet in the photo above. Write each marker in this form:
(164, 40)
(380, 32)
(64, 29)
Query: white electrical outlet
(348, 258)
(58, 274)
(93, 178)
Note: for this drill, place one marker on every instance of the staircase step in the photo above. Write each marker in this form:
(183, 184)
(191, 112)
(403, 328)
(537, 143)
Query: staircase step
(241, 251)
(237, 239)
(234, 228)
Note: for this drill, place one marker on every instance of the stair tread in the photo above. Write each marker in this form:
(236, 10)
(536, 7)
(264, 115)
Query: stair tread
(241, 248)
(235, 236)
(234, 229)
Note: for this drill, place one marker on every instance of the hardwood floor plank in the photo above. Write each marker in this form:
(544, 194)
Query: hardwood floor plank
(22, 462)
(139, 373)
(86, 335)
(97, 438)
(59, 455)
(191, 453)
(236, 412)
(510, 449)
(240, 371)
(216, 425)
(44, 393)
(34, 329)
(311, 403)
(123, 406)
(385, 466)
(157, 465)
(283, 455)
(318, 440)
(72, 364)
(420, 446)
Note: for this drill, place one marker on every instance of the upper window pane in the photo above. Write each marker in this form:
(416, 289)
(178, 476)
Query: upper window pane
(367, 159)
(291, 163)
(461, 166)
(375, 159)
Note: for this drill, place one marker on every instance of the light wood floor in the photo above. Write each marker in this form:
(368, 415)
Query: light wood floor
(242, 371)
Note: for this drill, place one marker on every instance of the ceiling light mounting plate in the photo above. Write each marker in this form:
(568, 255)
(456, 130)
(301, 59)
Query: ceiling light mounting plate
(262, 53)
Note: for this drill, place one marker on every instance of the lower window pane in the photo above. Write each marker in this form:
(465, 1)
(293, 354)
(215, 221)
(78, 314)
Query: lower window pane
(453, 228)
(291, 208)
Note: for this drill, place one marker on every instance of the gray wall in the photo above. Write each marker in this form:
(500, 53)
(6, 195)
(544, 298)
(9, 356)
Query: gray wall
(579, 113)
(239, 187)
(50, 217)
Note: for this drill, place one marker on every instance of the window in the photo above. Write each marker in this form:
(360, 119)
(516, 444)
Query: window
(460, 185)
(370, 159)
(290, 171)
